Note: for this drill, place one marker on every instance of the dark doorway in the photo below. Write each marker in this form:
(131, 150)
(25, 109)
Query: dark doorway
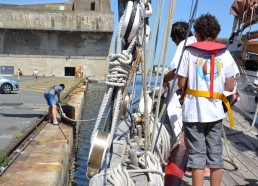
(69, 71)
(92, 6)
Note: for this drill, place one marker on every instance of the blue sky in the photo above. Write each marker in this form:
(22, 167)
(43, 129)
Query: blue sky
(218, 8)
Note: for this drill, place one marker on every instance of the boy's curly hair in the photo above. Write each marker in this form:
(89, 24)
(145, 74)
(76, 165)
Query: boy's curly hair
(179, 30)
(207, 26)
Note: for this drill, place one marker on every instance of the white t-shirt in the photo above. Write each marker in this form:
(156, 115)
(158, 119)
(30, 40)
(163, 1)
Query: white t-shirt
(35, 72)
(172, 109)
(196, 65)
(176, 58)
(54, 90)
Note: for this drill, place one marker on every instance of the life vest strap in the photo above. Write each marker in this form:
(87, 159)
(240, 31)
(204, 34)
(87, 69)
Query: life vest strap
(216, 95)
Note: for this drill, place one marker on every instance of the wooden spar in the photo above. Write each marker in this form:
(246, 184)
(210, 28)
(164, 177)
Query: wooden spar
(250, 35)
(252, 46)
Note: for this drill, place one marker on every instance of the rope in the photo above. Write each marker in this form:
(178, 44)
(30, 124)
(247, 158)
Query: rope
(133, 70)
(152, 163)
(164, 40)
(152, 38)
(119, 177)
(176, 74)
(119, 70)
(107, 96)
(105, 102)
(73, 120)
(133, 91)
(225, 141)
(163, 144)
(250, 128)
(168, 25)
(144, 90)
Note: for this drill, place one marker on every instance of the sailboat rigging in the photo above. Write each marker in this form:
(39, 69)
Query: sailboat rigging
(136, 145)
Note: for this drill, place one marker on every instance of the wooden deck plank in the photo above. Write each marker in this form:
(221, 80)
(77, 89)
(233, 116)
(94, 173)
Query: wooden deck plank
(246, 168)
(247, 148)
(251, 141)
(227, 179)
(243, 148)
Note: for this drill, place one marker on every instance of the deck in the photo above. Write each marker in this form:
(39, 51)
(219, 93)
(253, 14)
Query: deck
(243, 148)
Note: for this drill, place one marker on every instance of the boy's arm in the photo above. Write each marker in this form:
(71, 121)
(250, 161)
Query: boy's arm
(168, 77)
(229, 84)
(181, 82)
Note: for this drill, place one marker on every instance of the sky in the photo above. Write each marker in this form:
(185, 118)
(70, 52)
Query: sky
(218, 8)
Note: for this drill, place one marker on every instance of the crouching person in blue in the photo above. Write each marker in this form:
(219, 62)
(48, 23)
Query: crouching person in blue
(49, 95)
(206, 70)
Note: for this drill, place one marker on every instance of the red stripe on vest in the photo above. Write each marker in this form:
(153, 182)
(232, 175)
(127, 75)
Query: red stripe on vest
(212, 75)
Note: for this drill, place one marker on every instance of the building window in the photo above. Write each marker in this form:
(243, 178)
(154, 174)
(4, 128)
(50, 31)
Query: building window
(92, 6)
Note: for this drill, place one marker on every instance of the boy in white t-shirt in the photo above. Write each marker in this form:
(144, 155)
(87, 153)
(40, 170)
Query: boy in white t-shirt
(178, 35)
(207, 69)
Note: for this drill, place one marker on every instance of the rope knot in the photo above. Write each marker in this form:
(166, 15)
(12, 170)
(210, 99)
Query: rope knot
(119, 68)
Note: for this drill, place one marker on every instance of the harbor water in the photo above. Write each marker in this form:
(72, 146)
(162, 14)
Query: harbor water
(93, 99)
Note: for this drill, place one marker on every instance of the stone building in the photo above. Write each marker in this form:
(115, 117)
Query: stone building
(55, 37)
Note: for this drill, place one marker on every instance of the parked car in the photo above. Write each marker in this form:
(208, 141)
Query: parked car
(8, 85)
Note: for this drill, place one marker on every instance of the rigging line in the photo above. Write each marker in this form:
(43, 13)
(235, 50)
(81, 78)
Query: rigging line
(176, 73)
(162, 48)
(167, 37)
(230, 158)
(190, 13)
(73, 120)
(152, 38)
(107, 96)
(133, 70)
(154, 54)
(250, 128)
(144, 90)
(255, 6)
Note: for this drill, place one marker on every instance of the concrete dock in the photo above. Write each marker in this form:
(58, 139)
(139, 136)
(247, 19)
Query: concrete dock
(48, 157)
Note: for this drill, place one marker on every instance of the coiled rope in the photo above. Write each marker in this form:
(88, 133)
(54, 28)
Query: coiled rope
(120, 175)
(152, 164)
(164, 141)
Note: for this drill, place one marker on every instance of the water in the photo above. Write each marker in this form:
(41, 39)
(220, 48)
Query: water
(93, 99)
(138, 87)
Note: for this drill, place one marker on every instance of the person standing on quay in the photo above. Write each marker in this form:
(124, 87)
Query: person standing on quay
(51, 101)
(207, 70)
(19, 74)
(35, 73)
